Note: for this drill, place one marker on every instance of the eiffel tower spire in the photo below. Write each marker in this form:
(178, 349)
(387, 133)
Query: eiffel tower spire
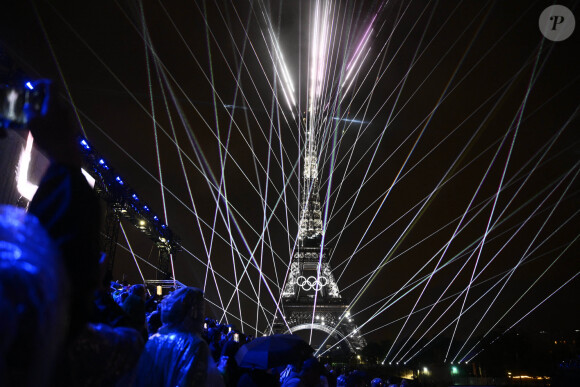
(310, 227)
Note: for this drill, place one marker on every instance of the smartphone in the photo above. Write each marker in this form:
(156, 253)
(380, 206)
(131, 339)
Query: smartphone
(19, 103)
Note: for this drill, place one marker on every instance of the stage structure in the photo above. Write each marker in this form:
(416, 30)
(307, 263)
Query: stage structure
(124, 203)
(310, 275)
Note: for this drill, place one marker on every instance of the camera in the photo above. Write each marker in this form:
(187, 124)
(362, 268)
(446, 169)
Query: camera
(19, 103)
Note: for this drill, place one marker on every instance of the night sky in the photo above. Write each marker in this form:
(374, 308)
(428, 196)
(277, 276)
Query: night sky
(456, 99)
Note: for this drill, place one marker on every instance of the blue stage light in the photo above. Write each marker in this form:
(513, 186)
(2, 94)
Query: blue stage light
(29, 85)
(155, 217)
(134, 196)
(102, 162)
(118, 178)
(146, 208)
(85, 144)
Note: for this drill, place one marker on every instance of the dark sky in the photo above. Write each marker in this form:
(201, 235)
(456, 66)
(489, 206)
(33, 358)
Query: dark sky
(462, 93)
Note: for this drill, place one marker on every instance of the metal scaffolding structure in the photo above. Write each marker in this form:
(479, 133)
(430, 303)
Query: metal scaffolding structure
(124, 203)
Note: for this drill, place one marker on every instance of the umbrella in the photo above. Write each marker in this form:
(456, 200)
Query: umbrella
(273, 351)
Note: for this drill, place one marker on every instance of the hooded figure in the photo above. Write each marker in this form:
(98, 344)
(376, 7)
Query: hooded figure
(177, 355)
(33, 300)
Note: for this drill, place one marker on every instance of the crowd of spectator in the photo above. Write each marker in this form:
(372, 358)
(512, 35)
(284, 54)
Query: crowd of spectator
(137, 308)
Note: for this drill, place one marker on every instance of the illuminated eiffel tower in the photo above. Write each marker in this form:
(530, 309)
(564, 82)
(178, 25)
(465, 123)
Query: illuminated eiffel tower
(310, 276)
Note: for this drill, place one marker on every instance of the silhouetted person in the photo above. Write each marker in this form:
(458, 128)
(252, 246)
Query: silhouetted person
(134, 306)
(33, 300)
(177, 355)
(309, 375)
(227, 366)
(68, 208)
(154, 322)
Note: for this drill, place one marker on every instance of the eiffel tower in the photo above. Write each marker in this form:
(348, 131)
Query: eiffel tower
(307, 281)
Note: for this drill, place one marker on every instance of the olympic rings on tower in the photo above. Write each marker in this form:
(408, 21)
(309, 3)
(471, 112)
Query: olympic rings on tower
(311, 283)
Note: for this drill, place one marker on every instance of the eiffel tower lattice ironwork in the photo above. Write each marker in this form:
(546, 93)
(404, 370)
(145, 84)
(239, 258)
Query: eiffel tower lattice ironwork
(310, 276)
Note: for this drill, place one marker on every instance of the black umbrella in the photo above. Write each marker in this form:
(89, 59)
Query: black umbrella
(273, 351)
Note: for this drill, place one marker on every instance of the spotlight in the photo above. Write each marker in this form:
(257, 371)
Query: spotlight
(85, 144)
(118, 178)
(134, 196)
(103, 163)
(29, 85)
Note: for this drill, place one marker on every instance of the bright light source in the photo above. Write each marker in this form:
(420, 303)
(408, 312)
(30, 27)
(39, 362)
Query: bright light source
(162, 240)
(134, 196)
(146, 208)
(155, 217)
(29, 85)
(454, 370)
(85, 144)
(118, 178)
(25, 188)
(142, 223)
(159, 290)
(103, 164)
(91, 180)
